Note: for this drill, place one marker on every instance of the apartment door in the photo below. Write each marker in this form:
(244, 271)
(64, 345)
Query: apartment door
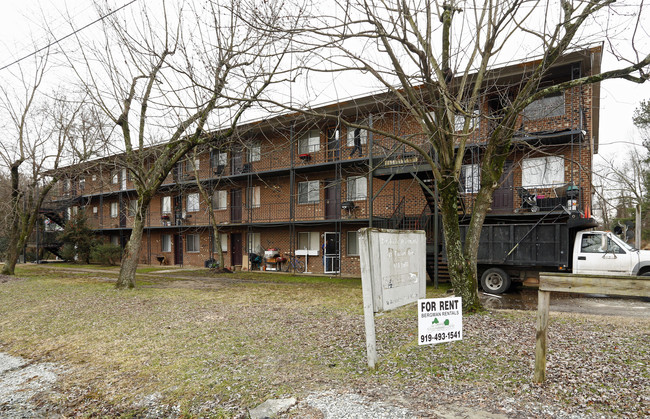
(178, 210)
(235, 205)
(178, 249)
(332, 199)
(236, 162)
(331, 255)
(123, 202)
(504, 194)
(236, 249)
(333, 143)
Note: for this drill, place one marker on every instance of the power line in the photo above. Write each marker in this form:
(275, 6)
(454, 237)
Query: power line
(67, 36)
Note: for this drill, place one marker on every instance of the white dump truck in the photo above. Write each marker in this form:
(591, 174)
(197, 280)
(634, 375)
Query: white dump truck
(511, 252)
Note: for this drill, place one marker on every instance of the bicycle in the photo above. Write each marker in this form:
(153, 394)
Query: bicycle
(293, 263)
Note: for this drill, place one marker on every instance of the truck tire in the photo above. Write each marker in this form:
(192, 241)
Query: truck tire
(495, 281)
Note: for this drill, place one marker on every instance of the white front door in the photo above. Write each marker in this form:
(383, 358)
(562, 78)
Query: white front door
(332, 253)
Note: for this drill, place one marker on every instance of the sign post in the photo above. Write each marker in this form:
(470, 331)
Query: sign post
(393, 274)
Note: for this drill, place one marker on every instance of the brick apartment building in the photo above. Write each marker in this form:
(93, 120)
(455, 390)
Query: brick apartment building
(300, 185)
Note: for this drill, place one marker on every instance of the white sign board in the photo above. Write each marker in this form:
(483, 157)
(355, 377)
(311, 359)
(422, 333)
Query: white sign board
(393, 273)
(440, 320)
(394, 263)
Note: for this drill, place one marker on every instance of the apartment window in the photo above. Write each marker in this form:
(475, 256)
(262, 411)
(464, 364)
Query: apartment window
(308, 192)
(82, 184)
(254, 152)
(94, 178)
(542, 171)
(115, 240)
(123, 184)
(114, 209)
(459, 120)
(115, 179)
(95, 210)
(545, 107)
(353, 243)
(254, 194)
(219, 200)
(191, 165)
(254, 242)
(166, 205)
(308, 240)
(361, 133)
(166, 243)
(470, 178)
(309, 143)
(133, 205)
(357, 188)
(192, 202)
(218, 159)
(192, 243)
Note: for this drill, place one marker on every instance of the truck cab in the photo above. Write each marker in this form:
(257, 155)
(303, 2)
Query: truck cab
(602, 253)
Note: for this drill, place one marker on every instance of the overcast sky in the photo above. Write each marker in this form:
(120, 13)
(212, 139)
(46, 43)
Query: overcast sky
(21, 21)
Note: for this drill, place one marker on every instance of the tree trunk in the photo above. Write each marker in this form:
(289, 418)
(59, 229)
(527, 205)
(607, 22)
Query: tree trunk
(637, 226)
(131, 254)
(461, 269)
(13, 251)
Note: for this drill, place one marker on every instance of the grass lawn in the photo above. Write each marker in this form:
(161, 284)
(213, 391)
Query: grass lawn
(233, 343)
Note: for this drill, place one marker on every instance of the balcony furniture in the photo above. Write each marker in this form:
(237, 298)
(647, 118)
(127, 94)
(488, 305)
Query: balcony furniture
(304, 156)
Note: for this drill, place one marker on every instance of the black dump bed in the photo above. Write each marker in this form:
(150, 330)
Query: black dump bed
(529, 244)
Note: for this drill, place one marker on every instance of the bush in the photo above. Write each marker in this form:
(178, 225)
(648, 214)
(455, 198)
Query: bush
(68, 252)
(106, 254)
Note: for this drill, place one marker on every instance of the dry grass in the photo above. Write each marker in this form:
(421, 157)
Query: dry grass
(219, 346)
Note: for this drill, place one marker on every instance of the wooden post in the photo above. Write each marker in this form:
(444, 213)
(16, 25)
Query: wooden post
(543, 300)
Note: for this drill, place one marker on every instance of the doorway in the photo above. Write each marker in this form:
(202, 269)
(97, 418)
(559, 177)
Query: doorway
(332, 199)
(504, 195)
(235, 205)
(331, 255)
(178, 249)
(236, 249)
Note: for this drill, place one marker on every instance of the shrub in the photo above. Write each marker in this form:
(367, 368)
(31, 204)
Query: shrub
(106, 254)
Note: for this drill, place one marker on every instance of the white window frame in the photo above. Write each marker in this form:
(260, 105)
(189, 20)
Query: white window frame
(133, 205)
(310, 193)
(166, 243)
(123, 184)
(312, 238)
(254, 194)
(189, 169)
(115, 179)
(94, 178)
(309, 142)
(253, 242)
(115, 240)
(193, 241)
(363, 136)
(115, 210)
(356, 241)
(95, 210)
(166, 205)
(255, 152)
(357, 188)
(459, 120)
(471, 175)
(541, 172)
(220, 200)
(192, 202)
(220, 158)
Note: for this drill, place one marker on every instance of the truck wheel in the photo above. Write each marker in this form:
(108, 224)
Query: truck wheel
(495, 281)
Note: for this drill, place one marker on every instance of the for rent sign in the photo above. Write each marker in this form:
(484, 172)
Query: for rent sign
(440, 320)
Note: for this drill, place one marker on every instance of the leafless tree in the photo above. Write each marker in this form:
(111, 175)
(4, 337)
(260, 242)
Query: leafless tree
(439, 63)
(39, 137)
(172, 78)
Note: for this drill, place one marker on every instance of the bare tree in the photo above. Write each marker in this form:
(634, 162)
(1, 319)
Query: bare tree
(175, 79)
(39, 130)
(439, 63)
(625, 182)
